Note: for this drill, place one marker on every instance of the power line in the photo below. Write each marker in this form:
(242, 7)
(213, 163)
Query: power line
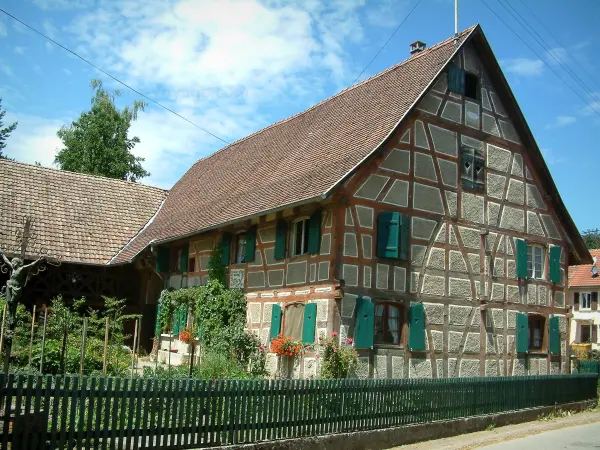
(386, 42)
(541, 59)
(113, 77)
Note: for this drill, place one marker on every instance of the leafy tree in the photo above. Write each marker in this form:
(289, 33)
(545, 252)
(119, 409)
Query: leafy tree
(4, 132)
(97, 142)
(592, 239)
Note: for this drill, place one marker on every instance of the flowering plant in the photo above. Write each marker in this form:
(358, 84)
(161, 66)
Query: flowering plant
(286, 346)
(187, 335)
(337, 361)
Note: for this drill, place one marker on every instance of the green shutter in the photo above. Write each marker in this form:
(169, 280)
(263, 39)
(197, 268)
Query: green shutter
(183, 262)
(554, 336)
(456, 79)
(275, 321)
(157, 325)
(521, 257)
(163, 259)
(365, 323)
(309, 323)
(250, 244)
(175, 329)
(416, 335)
(281, 239)
(314, 233)
(404, 236)
(179, 319)
(555, 264)
(225, 248)
(522, 333)
(388, 233)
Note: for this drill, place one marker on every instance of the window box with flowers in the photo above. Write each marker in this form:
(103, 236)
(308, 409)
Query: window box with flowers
(288, 350)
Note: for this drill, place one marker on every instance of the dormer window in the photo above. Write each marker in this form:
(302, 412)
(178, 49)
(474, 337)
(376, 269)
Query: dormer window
(464, 83)
(473, 168)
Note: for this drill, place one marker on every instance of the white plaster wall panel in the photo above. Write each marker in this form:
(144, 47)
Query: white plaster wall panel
(400, 279)
(365, 216)
(456, 262)
(424, 167)
(414, 281)
(367, 245)
(528, 174)
(448, 171)
(367, 276)
(266, 234)
(513, 219)
(452, 202)
(323, 270)
(454, 341)
(397, 194)
(371, 188)
(441, 236)
(362, 368)
(270, 257)
(350, 245)
(460, 288)
(380, 369)
(204, 245)
(497, 158)
(405, 139)
(258, 261)
(485, 100)
(562, 323)
(515, 191)
(550, 226)
(472, 207)
(397, 367)
(194, 281)
(542, 295)
(519, 367)
(471, 142)
(512, 294)
(497, 291)
(175, 281)
(434, 285)
(498, 271)
(427, 198)
(490, 241)
(500, 342)
(452, 368)
(534, 226)
(554, 368)
(438, 342)
(470, 237)
(471, 60)
(434, 313)
(452, 111)
(534, 199)
(397, 161)
(543, 366)
(452, 236)
(313, 272)
(348, 304)
(491, 368)
(296, 273)
(430, 103)
(437, 259)
(474, 260)
(490, 344)
(497, 318)
(418, 255)
(498, 108)
(349, 221)
(325, 244)
(559, 299)
(471, 114)
(204, 262)
(236, 278)
(459, 315)
(444, 141)
(419, 368)
(489, 125)
(420, 137)
(383, 271)
(422, 228)
(328, 219)
(441, 85)
(322, 308)
(517, 166)
(508, 131)
(531, 294)
(476, 321)
(205, 279)
(469, 368)
(310, 368)
(350, 274)
(254, 312)
(256, 279)
(344, 330)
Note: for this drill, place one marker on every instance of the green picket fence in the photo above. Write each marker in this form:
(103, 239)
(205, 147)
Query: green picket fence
(74, 412)
(588, 366)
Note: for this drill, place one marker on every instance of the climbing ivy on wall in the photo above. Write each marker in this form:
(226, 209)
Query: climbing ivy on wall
(217, 271)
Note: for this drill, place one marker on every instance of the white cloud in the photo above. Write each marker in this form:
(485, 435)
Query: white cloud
(6, 68)
(552, 158)
(63, 4)
(525, 67)
(67, 71)
(3, 31)
(49, 29)
(593, 105)
(49, 46)
(19, 50)
(561, 121)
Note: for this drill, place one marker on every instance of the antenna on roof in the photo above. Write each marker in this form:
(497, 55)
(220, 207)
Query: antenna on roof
(456, 20)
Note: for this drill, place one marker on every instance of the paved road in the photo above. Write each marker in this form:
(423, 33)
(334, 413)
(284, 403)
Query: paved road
(578, 437)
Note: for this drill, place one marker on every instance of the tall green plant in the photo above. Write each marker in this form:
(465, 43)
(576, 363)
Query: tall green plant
(217, 271)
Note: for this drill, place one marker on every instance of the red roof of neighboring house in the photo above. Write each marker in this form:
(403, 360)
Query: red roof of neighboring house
(582, 275)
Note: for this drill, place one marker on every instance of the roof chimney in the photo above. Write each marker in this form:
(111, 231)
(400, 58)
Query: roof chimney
(417, 47)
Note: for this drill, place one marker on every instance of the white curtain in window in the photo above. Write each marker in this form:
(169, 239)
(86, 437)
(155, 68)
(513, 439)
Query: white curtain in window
(293, 320)
(537, 336)
(393, 322)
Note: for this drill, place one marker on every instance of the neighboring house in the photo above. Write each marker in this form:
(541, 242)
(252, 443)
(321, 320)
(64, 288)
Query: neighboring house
(412, 212)
(584, 284)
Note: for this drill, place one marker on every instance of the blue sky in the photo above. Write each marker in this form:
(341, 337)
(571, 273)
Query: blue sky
(234, 67)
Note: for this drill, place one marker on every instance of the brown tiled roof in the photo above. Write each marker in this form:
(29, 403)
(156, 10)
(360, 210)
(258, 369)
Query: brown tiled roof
(297, 159)
(81, 218)
(582, 275)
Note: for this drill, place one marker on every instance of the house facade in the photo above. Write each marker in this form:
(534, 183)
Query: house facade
(412, 213)
(584, 285)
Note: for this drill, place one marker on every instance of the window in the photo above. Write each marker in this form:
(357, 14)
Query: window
(192, 265)
(536, 332)
(240, 249)
(393, 229)
(300, 238)
(535, 262)
(585, 300)
(471, 85)
(586, 333)
(293, 321)
(388, 323)
(472, 169)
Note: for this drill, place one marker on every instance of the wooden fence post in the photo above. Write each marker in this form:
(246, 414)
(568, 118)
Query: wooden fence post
(105, 348)
(43, 340)
(31, 337)
(135, 337)
(83, 339)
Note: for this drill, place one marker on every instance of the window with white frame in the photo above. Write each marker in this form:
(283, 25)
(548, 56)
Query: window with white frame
(535, 262)
(586, 334)
(300, 237)
(240, 248)
(585, 300)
